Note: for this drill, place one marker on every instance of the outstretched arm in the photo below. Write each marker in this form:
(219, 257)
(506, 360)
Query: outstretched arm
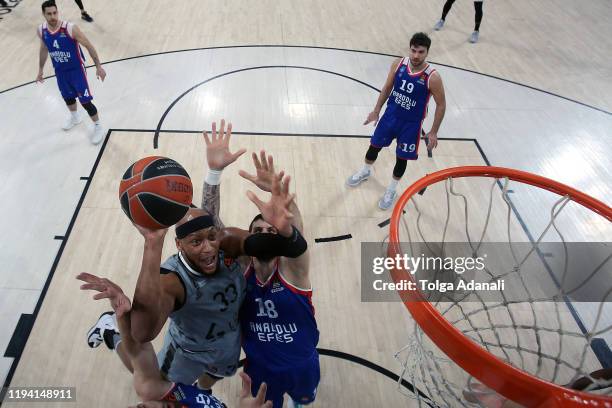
(218, 157)
(296, 268)
(155, 295)
(148, 382)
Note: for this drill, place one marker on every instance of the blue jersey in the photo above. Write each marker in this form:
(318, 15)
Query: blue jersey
(190, 396)
(278, 325)
(410, 95)
(64, 50)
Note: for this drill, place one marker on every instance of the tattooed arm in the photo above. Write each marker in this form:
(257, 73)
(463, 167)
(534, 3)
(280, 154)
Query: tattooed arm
(211, 202)
(218, 157)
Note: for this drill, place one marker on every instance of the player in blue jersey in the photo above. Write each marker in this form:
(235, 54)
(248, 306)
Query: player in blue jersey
(148, 380)
(62, 40)
(410, 83)
(279, 330)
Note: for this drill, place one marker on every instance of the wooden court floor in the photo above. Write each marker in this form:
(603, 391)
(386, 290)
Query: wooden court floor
(557, 46)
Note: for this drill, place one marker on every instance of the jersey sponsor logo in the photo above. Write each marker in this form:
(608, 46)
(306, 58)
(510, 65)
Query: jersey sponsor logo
(403, 101)
(269, 332)
(60, 56)
(277, 287)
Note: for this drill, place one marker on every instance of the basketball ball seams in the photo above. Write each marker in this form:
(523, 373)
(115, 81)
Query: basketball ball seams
(159, 196)
(151, 218)
(149, 160)
(155, 192)
(164, 165)
(143, 183)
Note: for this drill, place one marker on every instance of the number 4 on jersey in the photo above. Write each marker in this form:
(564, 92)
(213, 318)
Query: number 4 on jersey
(55, 44)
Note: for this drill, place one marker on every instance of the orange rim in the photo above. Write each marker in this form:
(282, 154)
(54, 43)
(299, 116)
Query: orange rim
(507, 380)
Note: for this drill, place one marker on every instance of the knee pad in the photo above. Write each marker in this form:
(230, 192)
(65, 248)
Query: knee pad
(70, 101)
(90, 108)
(400, 167)
(372, 153)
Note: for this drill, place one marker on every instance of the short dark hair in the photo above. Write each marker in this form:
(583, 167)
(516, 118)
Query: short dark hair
(420, 39)
(257, 218)
(48, 3)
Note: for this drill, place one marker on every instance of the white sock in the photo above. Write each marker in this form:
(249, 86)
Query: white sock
(393, 184)
(366, 168)
(74, 114)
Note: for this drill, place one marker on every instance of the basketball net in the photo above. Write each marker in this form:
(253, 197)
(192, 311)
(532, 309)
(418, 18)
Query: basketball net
(531, 349)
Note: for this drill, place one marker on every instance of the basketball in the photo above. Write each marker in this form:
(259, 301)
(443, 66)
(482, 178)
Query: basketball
(155, 192)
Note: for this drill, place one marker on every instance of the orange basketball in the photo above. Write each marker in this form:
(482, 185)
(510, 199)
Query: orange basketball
(155, 192)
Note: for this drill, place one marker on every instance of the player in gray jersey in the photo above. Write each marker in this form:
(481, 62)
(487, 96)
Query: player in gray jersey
(200, 288)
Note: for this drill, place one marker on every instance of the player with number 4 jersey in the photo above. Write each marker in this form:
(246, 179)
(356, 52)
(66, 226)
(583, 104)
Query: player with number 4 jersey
(62, 41)
(410, 83)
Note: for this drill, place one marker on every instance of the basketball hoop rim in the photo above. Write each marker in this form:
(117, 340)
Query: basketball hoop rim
(507, 380)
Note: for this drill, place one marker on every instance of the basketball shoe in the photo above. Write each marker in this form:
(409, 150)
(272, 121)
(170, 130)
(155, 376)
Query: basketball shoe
(439, 25)
(72, 121)
(387, 200)
(98, 134)
(103, 331)
(474, 37)
(355, 179)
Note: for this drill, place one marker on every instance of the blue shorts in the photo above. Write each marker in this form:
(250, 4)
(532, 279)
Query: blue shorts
(408, 135)
(191, 396)
(300, 382)
(73, 84)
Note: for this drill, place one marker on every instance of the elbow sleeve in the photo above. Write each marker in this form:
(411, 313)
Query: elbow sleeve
(268, 246)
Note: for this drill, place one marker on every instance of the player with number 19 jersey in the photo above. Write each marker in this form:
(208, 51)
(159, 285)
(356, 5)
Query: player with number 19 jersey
(406, 111)
(280, 337)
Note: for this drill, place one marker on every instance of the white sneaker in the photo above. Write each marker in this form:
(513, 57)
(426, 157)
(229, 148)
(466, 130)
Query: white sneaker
(97, 135)
(387, 200)
(439, 25)
(95, 335)
(474, 37)
(71, 122)
(358, 177)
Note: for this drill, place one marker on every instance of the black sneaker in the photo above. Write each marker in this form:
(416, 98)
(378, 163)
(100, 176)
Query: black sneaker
(86, 17)
(102, 331)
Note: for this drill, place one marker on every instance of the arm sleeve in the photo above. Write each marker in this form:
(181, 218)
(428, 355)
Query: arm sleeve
(268, 246)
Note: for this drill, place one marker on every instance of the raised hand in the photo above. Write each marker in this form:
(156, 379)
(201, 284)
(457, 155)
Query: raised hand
(246, 400)
(264, 171)
(276, 211)
(106, 290)
(217, 147)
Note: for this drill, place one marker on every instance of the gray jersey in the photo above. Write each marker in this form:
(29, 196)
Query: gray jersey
(207, 323)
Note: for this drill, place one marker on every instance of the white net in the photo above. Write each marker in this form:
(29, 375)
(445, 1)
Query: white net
(550, 318)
